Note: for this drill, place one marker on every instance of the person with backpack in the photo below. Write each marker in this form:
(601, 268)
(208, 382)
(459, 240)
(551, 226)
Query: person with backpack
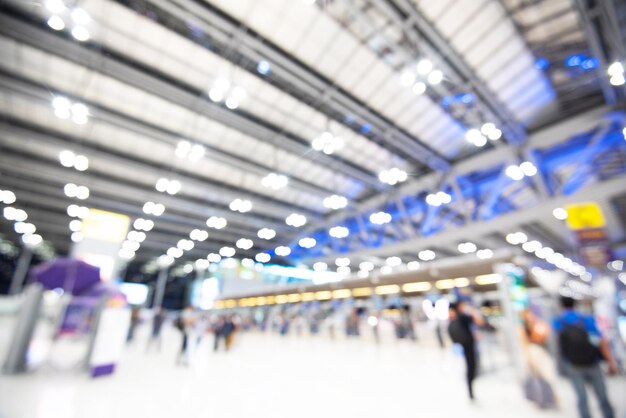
(462, 319)
(582, 348)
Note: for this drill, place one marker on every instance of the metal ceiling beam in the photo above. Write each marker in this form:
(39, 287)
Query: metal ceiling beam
(131, 72)
(288, 73)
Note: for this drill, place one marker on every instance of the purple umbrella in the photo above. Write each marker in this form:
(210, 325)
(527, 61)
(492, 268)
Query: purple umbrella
(67, 273)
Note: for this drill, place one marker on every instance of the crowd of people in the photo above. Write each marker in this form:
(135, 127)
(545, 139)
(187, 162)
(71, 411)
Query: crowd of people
(581, 348)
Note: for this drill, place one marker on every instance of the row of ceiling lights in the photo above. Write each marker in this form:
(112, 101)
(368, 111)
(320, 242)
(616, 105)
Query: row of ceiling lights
(19, 216)
(60, 14)
(478, 137)
(65, 109)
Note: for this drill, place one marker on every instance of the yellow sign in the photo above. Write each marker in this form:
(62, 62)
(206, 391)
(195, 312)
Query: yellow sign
(105, 226)
(586, 215)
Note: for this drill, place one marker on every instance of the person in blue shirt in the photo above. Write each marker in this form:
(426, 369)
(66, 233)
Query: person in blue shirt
(582, 348)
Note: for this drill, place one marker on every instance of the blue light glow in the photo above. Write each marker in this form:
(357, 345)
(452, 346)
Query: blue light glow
(574, 60)
(542, 64)
(264, 67)
(366, 128)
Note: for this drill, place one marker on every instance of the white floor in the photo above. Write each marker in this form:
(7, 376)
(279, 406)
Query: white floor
(270, 376)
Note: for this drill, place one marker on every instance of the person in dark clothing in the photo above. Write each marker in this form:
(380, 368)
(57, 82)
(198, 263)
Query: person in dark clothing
(461, 320)
(157, 324)
(582, 348)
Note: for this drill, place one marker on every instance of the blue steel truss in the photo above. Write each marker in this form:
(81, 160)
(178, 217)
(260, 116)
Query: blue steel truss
(481, 195)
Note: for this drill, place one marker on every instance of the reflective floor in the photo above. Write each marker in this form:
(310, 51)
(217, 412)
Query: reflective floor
(266, 375)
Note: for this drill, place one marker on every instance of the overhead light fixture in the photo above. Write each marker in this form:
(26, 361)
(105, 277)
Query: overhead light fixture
(413, 265)
(560, 214)
(55, 6)
(335, 202)
(185, 244)
(343, 270)
(80, 16)
(7, 197)
(282, 251)
(262, 257)
(214, 258)
(424, 66)
(79, 192)
(76, 237)
(32, 240)
(80, 33)
(528, 168)
(12, 214)
(240, 205)
(64, 109)
(339, 232)
(244, 243)
(130, 246)
(380, 218)
(151, 208)
(467, 247)
(416, 287)
(266, 233)
(516, 238)
(392, 176)
(386, 270)
(531, 246)
(191, 152)
(327, 143)
(143, 224)
(165, 260)
(342, 261)
(366, 266)
(56, 23)
(168, 186)
(616, 71)
(393, 261)
(216, 222)
(419, 88)
(475, 137)
(136, 236)
(227, 251)
(296, 220)
(275, 181)
(307, 242)
(76, 225)
(24, 228)
(426, 255)
(484, 254)
(435, 77)
(390, 289)
(438, 199)
(199, 235)
(320, 266)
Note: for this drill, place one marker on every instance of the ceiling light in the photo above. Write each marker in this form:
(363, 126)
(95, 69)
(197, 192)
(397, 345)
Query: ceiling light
(413, 265)
(320, 266)
(244, 243)
(227, 251)
(185, 244)
(266, 233)
(416, 287)
(366, 266)
(296, 220)
(81, 163)
(174, 252)
(80, 16)
(214, 258)
(560, 214)
(516, 238)
(426, 255)
(380, 218)
(531, 246)
(7, 197)
(390, 289)
(307, 242)
(339, 232)
(263, 67)
(344, 270)
(76, 225)
(247, 263)
(199, 235)
(435, 77)
(232, 103)
(467, 247)
(32, 240)
(438, 199)
(136, 236)
(282, 251)
(12, 214)
(55, 6)
(514, 172)
(240, 205)
(168, 186)
(262, 257)
(393, 261)
(484, 254)
(528, 168)
(419, 88)
(392, 176)
(80, 33)
(424, 66)
(165, 260)
(335, 202)
(24, 228)
(617, 80)
(495, 134)
(216, 95)
(475, 137)
(615, 68)
(143, 224)
(342, 261)
(327, 143)
(56, 23)
(386, 270)
(216, 222)
(130, 246)
(77, 237)
(275, 181)
(487, 128)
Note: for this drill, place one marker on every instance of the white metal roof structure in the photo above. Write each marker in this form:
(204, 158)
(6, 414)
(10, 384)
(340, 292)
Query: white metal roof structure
(285, 103)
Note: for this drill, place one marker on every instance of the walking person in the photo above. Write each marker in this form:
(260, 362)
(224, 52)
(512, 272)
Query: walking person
(462, 318)
(582, 348)
(157, 325)
(185, 323)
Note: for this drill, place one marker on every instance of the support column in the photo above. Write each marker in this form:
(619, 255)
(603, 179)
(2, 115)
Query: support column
(159, 291)
(21, 270)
